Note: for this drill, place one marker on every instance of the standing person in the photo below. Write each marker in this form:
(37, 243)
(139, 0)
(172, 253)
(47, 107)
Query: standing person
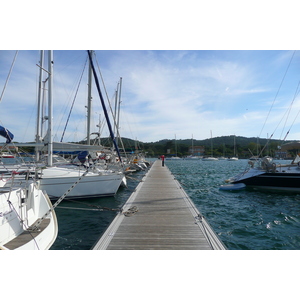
(162, 160)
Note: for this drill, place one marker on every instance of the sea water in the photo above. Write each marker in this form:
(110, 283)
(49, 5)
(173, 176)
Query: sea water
(245, 219)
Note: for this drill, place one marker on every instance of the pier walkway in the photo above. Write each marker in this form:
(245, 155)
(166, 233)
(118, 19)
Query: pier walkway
(159, 215)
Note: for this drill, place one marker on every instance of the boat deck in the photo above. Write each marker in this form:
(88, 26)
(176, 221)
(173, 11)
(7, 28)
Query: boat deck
(27, 236)
(159, 215)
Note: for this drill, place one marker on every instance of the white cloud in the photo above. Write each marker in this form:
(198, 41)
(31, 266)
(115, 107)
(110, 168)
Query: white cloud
(164, 92)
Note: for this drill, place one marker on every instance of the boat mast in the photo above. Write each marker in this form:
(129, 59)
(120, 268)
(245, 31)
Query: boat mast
(211, 141)
(119, 103)
(103, 106)
(89, 103)
(192, 145)
(50, 107)
(175, 146)
(38, 119)
(115, 112)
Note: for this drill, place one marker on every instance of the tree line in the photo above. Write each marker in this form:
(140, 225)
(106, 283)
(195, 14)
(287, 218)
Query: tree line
(221, 146)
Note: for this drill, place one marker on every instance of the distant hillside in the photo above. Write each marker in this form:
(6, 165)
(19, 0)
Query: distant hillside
(222, 146)
(220, 141)
(217, 141)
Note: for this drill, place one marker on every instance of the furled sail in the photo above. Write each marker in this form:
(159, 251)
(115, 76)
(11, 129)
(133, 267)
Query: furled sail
(7, 134)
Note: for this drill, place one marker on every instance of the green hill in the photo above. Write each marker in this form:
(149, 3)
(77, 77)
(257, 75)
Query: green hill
(224, 145)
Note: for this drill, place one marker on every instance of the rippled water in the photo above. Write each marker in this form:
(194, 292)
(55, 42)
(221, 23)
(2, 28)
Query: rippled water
(82, 222)
(243, 220)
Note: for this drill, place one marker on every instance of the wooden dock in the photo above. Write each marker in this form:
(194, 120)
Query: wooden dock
(159, 215)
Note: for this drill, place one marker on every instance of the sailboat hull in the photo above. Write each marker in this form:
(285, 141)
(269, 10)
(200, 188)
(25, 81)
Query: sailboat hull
(18, 216)
(56, 181)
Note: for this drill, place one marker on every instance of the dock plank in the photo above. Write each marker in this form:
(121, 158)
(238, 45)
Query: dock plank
(166, 218)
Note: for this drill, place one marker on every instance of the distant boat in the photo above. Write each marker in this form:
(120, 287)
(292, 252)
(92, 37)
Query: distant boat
(191, 157)
(6, 155)
(234, 157)
(173, 158)
(209, 158)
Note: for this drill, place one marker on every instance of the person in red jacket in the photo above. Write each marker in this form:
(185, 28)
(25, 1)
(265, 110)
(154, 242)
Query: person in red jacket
(162, 160)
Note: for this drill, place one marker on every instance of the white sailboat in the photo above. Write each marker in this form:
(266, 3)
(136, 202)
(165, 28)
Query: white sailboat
(192, 156)
(210, 158)
(20, 209)
(55, 180)
(27, 220)
(234, 157)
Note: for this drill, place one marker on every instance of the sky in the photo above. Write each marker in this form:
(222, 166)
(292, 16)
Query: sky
(166, 94)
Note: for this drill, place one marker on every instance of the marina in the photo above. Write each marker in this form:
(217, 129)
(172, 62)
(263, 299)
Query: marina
(243, 220)
(184, 205)
(159, 215)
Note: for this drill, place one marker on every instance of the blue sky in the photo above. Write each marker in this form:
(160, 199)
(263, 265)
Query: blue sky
(164, 93)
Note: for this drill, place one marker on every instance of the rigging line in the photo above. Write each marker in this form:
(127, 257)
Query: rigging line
(80, 208)
(277, 92)
(73, 102)
(111, 110)
(23, 223)
(101, 76)
(107, 97)
(92, 205)
(61, 198)
(104, 107)
(102, 80)
(12, 65)
(289, 110)
(297, 113)
(19, 217)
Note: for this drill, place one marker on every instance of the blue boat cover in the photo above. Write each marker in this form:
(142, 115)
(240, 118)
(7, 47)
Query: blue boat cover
(82, 156)
(7, 134)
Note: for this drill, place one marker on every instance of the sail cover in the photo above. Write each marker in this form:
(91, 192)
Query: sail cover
(7, 134)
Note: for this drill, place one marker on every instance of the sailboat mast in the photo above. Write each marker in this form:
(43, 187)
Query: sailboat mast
(89, 104)
(192, 145)
(39, 106)
(103, 105)
(117, 114)
(50, 107)
(175, 146)
(119, 103)
(212, 151)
